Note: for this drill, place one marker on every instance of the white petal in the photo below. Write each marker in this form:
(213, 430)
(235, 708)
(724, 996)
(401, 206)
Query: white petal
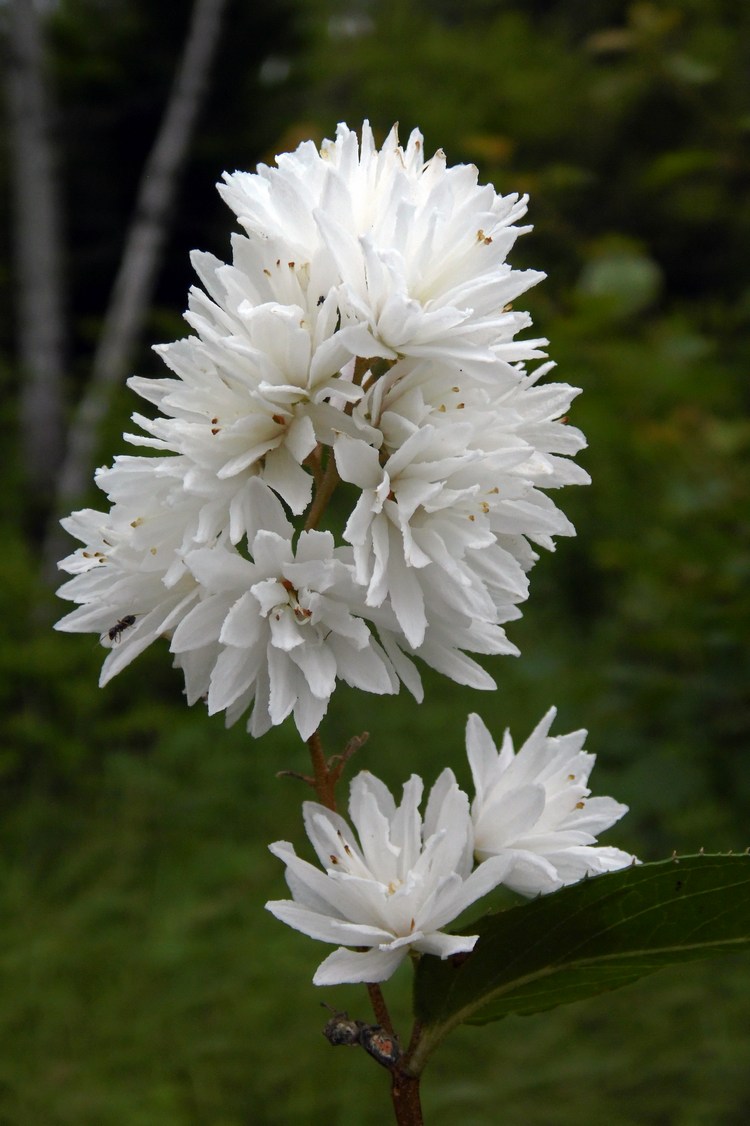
(344, 966)
(324, 927)
(445, 945)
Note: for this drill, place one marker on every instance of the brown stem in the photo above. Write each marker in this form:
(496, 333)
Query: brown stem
(323, 781)
(323, 494)
(407, 1105)
(379, 1007)
(327, 480)
(361, 367)
(416, 1036)
(298, 775)
(336, 763)
(315, 462)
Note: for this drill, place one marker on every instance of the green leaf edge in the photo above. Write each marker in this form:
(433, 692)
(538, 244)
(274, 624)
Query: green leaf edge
(666, 888)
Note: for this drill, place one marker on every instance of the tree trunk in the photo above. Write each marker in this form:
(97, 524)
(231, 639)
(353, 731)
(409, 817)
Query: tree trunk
(136, 277)
(38, 257)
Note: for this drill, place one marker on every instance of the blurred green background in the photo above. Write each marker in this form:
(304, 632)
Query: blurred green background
(142, 981)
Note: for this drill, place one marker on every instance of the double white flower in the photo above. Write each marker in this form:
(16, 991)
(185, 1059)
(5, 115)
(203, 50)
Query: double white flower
(362, 342)
(534, 808)
(393, 886)
(277, 630)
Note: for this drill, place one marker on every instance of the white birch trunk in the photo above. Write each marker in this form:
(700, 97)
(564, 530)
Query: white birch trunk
(38, 255)
(136, 276)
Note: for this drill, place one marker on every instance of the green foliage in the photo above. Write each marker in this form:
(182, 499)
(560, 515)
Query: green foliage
(590, 938)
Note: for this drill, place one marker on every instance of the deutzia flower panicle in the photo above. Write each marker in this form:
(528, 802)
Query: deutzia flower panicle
(534, 808)
(393, 885)
(361, 342)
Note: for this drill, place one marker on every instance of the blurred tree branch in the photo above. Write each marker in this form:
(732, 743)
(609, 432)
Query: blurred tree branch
(136, 276)
(38, 253)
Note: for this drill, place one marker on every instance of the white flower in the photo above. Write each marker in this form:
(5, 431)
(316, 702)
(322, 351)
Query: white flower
(254, 386)
(419, 247)
(449, 497)
(277, 630)
(533, 808)
(129, 568)
(450, 635)
(393, 886)
(423, 519)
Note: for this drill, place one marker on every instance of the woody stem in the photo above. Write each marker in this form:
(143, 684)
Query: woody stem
(324, 782)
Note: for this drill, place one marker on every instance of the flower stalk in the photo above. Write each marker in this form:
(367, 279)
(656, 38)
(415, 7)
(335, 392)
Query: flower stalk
(405, 1095)
(323, 782)
(325, 489)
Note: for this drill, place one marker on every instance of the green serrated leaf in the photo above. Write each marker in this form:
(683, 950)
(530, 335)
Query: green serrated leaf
(587, 939)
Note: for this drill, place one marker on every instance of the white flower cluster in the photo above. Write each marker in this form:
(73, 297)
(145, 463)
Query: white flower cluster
(392, 888)
(362, 343)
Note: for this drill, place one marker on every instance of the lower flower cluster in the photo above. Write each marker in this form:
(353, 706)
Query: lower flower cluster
(393, 886)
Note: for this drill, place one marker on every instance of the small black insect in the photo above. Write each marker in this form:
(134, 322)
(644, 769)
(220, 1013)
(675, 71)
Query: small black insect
(382, 1046)
(341, 1029)
(115, 632)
